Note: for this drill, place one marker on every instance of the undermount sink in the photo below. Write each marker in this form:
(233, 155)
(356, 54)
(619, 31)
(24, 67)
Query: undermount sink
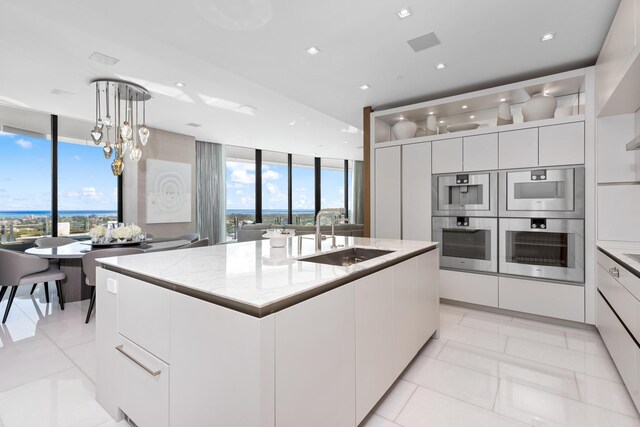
(347, 257)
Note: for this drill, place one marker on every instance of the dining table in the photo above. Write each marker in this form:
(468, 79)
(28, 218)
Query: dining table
(70, 261)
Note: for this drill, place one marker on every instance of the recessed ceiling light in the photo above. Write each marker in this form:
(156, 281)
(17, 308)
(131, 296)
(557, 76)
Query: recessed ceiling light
(441, 121)
(441, 66)
(365, 87)
(503, 99)
(472, 117)
(546, 92)
(401, 118)
(345, 142)
(104, 59)
(547, 37)
(464, 107)
(180, 84)
(405, 12)
(431, 113)
(312, 50)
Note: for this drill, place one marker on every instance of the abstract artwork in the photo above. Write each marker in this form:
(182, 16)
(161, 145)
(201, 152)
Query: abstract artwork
(168, 192)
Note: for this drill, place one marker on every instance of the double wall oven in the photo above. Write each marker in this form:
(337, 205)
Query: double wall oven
(530, 224)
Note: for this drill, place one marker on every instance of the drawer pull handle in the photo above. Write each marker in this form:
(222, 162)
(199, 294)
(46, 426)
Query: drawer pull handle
(614, 272)
(121, 350)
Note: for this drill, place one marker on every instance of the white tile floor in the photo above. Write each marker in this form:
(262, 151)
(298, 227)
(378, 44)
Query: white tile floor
(485, 370)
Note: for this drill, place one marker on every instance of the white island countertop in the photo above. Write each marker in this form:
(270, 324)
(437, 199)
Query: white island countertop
(256, 279)
(620, 251)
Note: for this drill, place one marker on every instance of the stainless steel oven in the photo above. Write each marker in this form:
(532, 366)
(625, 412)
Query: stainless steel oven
(465, 194)
(556, 192)
(467, 243)
(543, 248)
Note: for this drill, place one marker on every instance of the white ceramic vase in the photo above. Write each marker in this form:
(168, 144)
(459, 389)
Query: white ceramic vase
(539, 107)
(504, 114)
(421, 132)
(432, 125)
(405, 129)
(383, 131)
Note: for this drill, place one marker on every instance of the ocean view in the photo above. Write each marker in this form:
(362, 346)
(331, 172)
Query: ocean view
(22, 214)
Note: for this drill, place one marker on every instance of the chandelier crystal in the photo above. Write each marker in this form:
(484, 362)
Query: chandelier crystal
(123, 98)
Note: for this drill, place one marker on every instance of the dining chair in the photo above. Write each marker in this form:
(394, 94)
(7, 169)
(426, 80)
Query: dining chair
(89, 265)
(192, 237)
(198, 244)
(50, 242)
(17, 269)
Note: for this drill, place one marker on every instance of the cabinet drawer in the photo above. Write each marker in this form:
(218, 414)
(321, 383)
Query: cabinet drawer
(543, 298)
(627, 279)
(143, 315)
(619, 298)
(143, 386)
(622, 348)
(469, 287)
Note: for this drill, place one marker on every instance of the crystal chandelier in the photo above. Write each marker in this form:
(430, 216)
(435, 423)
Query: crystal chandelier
(123, 99)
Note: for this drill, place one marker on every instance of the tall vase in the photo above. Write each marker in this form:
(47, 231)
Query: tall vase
(432, 125)
(504, 114)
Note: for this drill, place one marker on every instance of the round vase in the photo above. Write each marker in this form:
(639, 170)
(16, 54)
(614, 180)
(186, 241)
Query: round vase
(539, 107)
(404, 129)
(383, 131)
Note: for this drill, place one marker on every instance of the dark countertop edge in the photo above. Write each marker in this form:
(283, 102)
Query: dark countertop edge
(631, 269)
(260, 312)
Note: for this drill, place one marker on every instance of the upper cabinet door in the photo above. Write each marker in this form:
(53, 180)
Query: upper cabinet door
(562, 144)
(388, 193)
(518, 149)
(447, 156)
(416, 188)
(480, 152)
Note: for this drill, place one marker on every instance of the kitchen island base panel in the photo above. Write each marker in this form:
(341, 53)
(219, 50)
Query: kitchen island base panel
(230, 368)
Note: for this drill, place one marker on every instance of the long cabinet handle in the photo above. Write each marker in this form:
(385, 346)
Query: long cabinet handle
(130, 357)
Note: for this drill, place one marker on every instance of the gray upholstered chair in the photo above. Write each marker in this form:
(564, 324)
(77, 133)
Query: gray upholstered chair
(89, 265)
(50, 242)
(192, 237)
(18, 269)
(200, 243)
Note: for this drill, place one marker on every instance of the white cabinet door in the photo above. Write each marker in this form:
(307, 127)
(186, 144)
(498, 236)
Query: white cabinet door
(447, 156)
(469, 287)
(315, 361)
(480, 152)
(374, 338)
(428, 298)
(518, 149)
(615, 163)
(561, 144)
(388, 193)
(619, 212)
(405, 313)
(416, 191)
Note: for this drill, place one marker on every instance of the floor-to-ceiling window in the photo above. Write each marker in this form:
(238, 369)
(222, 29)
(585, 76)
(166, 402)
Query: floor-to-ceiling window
(303, 190)
(275, 187)
(87, 189)
(332, 183)
(241, 188)
(25, 185)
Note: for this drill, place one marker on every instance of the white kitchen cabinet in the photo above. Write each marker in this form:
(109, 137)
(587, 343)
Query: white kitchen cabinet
(388, 193)
(374, 337)
(321, 332)
(480, 152)
(143, 315)
(619, 212)
(446, 156)
(518, 149)
(405, 313)
(428, 295)
(561, 144)
(557, 300)
(469, 287)
(143, 395)
(416, 190)
(615, 163)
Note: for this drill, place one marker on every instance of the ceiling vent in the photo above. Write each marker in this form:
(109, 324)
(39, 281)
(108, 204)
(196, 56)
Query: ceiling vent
(424, 42)
(104, 59)
(194, 125)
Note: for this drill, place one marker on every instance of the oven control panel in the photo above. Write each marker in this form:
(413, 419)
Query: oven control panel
(462, 179)
(462, 221)
(540, 223)
(539, 175)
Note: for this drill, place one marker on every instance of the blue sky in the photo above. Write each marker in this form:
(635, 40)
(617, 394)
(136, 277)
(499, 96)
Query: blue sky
(85, 181)
(241, 178)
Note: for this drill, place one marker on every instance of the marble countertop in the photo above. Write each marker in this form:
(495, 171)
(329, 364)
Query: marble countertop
(252, 274)
(77, 249)
(620, 250)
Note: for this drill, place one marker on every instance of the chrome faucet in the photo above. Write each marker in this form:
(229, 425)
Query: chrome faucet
(318, 215)
(333, 229)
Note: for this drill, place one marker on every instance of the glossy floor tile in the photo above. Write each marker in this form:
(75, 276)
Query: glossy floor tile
(485, 370)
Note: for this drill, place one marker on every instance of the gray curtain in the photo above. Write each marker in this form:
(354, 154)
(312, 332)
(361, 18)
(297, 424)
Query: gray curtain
(210, 191)
(358, 193)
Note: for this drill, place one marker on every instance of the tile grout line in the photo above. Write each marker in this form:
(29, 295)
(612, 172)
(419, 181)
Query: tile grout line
(406, 403)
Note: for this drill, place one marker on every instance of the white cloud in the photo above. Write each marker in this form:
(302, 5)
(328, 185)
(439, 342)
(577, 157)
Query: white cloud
(23, 143)
(272, 188)
(91, 193)
(270, 175)
(243, 177)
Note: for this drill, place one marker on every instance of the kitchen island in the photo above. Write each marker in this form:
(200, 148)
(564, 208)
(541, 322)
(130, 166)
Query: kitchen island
(248, 335)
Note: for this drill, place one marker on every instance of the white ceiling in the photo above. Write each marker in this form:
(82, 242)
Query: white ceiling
(252, 52)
